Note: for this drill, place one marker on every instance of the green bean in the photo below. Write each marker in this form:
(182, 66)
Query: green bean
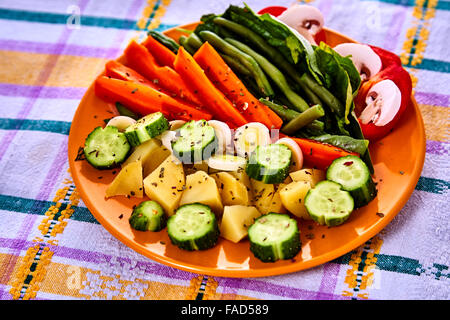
(316, 127)
(276, 75)
(303, 119)
(282, 111)
(326, 96)
(194, 41)
(272, 53)
(246, 60)
(165, 40)
(235, 65)
(184, 42)
(261, 44)
(311, 96)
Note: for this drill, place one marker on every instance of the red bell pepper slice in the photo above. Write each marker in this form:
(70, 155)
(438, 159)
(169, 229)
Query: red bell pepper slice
(391, 70)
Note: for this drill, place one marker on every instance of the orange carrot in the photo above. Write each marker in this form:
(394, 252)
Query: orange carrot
(319, 155)
(141, 60)
(195, 77)
(144, 100)
(116, 70)
(162, 54)
(232, 87)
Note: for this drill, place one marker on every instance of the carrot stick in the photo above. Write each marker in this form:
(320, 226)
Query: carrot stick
(194, 76)
(116, 70)
(163, 55)
(320, 155)
(144, 100)
(141, 60)
(232, 87)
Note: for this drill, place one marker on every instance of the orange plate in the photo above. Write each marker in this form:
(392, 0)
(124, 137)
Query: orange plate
(398, 160)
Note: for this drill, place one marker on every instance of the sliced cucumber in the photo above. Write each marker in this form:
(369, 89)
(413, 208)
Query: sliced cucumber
(146, 128)
(226, 162)
(193, 227)
(196, 141)
(148, 216)
(106, 148)
(328, 204)
(354, 176)
(270, 163)
(274, 236)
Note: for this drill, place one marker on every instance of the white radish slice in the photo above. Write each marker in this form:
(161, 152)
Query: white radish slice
(224, 136)
(121, 122)
(166, 139)
(226, 162)
(176, 124)
(249, 136)
(297, 154)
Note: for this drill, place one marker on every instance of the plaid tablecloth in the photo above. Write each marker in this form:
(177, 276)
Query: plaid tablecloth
(51, 247)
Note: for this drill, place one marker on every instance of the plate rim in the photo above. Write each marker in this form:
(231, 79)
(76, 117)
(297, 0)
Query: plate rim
(265, 272)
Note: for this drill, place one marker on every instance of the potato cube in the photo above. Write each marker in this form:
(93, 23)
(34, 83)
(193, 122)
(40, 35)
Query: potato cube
(293, 198)
(232, 191)
(313, 176)
(128, 182)
(203, 189)
(236, 220)
(166, 183)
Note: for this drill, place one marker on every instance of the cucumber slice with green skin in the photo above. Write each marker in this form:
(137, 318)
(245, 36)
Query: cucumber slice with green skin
(328, 204)
(106, 148)
(148, 216)
(354, 176)
(146, 128)
(196, 141)
(270, 163)
(273, 237)
(193, 227)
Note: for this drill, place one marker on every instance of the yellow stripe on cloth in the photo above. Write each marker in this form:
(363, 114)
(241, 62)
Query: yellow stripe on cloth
(156, 21)
(68, 71)
(436, 120)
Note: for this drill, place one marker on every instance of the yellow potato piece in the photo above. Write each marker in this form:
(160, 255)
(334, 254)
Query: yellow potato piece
(262, 195)
(242, 177)
(166, 183)
(276, 205)
(202, 188)
(143, 151)
(313, 176)
(293, 198)
(236, 220)
(155, 159)
(232, 191)
(128, 182)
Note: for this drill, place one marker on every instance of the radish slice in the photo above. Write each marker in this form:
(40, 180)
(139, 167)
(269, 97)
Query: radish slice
(226, 162)
(297, 154)
(167, 137)
(224, 136)
(121, 122)
(176, 124)
(249, 136)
